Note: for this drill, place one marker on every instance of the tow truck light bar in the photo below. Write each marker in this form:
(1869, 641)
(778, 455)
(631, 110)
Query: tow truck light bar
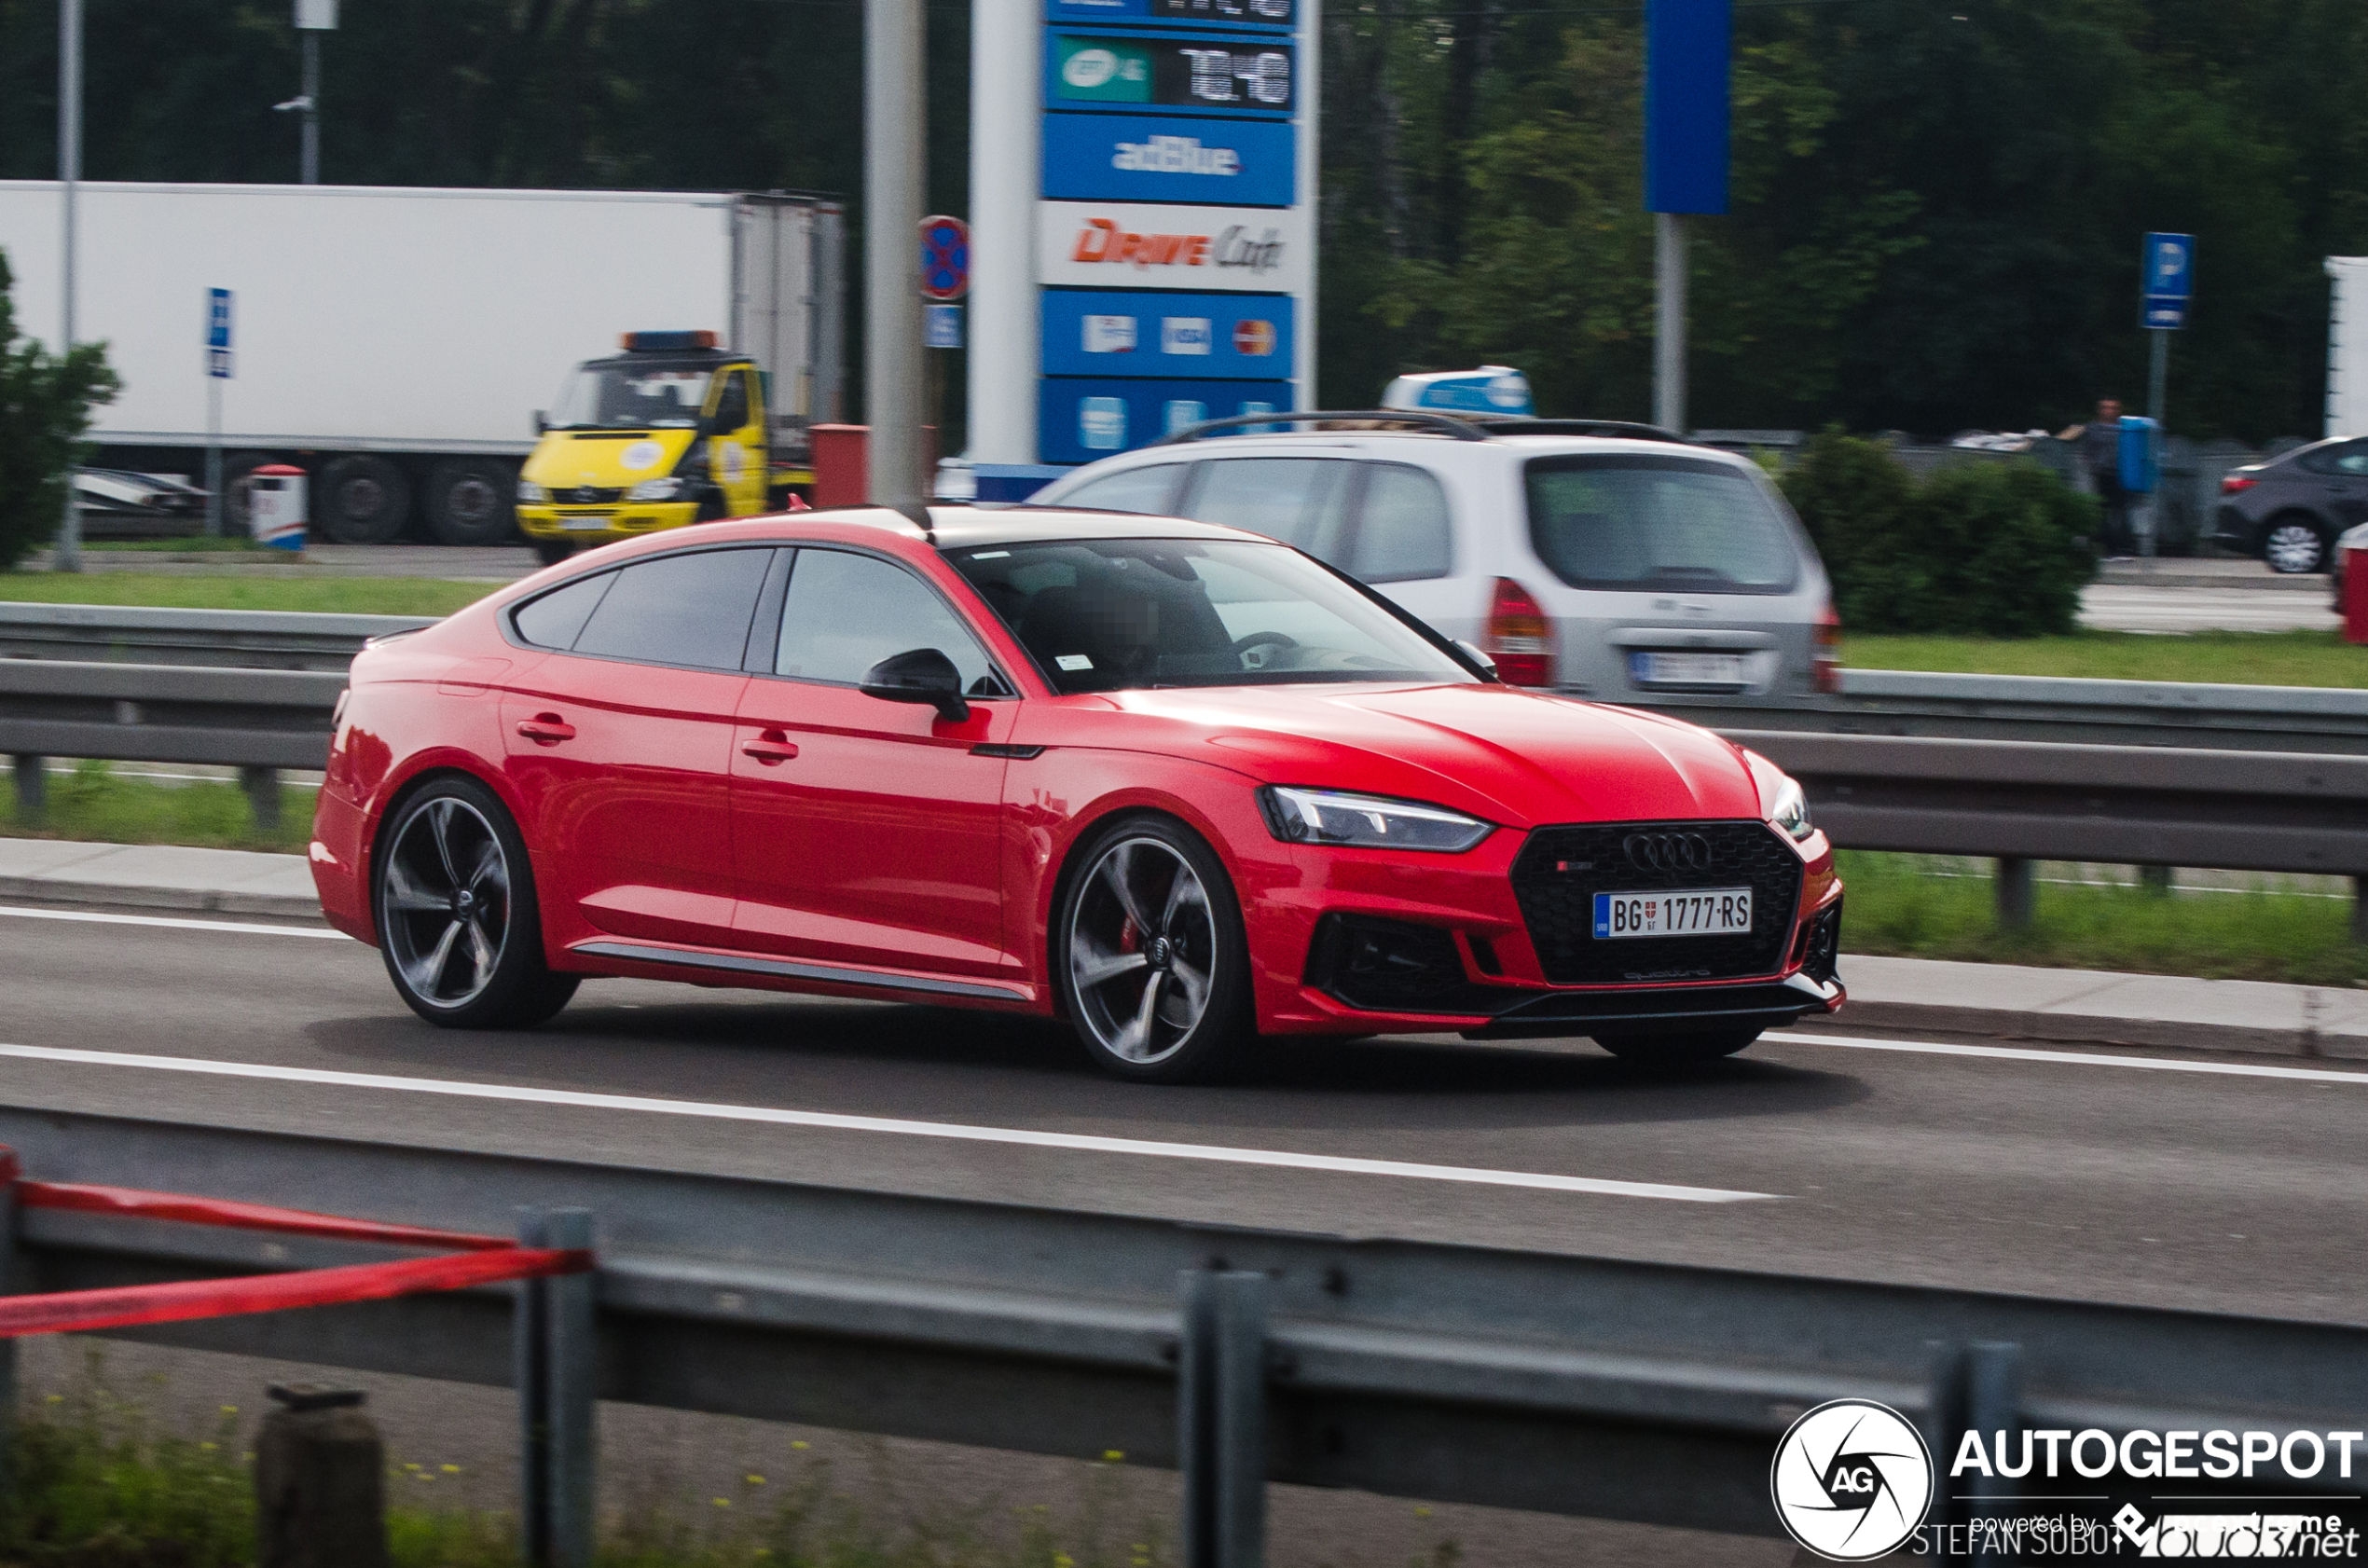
(666, 342)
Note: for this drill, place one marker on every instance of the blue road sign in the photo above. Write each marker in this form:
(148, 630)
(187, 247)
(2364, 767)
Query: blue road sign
(217, 332)
(1688, 45)
(2168, 263)
(942, 326)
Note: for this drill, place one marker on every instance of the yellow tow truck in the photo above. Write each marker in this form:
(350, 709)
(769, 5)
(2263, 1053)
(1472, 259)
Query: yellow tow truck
(669, 432)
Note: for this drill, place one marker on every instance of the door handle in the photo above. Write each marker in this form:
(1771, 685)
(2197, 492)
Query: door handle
(546, 729)
(771, 748)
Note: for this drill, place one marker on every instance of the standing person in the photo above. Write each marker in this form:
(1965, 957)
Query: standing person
(2101, 453)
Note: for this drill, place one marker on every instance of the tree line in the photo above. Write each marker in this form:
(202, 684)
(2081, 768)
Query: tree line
(1936, 203)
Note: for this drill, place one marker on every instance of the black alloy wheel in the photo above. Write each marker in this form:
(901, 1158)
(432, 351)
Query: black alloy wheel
(457, 922)
(362, 499)
(1149, 956)
(469, 501)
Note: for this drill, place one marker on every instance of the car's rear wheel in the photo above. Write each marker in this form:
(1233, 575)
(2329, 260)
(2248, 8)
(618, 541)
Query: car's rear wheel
(2293, 545)
(457, 921)
(1677, 1051)
(1149, 955)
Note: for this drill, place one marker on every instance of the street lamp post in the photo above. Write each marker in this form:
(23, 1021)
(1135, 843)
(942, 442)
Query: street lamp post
(312, 18)
(68, 556)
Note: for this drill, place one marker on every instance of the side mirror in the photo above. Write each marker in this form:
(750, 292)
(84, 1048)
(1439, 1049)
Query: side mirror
(922, 675)
(542, 422)
(1478, 655)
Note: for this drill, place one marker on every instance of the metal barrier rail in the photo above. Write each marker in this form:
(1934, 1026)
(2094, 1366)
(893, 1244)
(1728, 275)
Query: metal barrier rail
(1646, 1392)
(236, 638)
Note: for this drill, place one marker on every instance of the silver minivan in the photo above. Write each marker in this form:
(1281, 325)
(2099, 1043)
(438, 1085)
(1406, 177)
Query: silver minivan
(1607, 561)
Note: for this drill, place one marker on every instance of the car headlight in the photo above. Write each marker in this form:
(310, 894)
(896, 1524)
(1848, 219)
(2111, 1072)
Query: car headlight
(1299, 816)
(1789, 812)
(530, 491)
(656, 490)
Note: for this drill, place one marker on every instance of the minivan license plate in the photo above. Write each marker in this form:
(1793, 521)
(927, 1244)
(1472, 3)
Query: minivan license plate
(1697, 911)
(1686, 669)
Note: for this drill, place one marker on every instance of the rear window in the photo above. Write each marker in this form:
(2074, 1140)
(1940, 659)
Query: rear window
(1662, 523)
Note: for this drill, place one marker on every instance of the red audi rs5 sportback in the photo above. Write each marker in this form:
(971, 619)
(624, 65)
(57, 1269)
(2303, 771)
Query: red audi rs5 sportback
(1180, 785)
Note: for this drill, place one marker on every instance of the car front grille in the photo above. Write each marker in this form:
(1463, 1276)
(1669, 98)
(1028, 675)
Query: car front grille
(585, 495)
(1561, 868)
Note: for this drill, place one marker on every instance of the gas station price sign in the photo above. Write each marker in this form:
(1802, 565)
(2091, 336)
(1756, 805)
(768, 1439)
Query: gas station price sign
(1279, 15)
(1143, 71)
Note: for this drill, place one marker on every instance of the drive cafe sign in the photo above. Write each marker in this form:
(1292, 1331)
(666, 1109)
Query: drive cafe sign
(1094, 244)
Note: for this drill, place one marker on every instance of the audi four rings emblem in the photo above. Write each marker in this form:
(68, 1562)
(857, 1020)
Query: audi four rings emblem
(1667, 851)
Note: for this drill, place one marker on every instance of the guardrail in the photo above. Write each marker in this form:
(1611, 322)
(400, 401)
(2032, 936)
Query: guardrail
(1647, 1391)
(235, 639)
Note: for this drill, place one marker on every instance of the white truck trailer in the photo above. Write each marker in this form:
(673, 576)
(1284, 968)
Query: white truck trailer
(397, 343)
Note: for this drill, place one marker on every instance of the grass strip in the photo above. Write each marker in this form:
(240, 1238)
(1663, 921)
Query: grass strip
(107, 803)
(2236, 658)
(341, 596)
(1938, 906)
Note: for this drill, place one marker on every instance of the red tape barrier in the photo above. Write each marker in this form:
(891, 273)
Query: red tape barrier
(470, 1260)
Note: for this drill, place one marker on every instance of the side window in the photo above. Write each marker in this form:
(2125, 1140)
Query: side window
(2352, 459)
(554, 620)
(1282, 498)
(845, 612)
(1150, 490)
(732, 408)
(689, 609)
(1402, 528)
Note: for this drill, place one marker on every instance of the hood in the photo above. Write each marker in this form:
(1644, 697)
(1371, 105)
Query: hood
(1515, 757)
(605, 458)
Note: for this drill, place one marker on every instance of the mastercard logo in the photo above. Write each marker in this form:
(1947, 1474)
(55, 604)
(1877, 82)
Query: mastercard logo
(1254, 338)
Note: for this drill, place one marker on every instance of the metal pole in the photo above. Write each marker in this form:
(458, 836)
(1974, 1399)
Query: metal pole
(2157, 376)
(2158, 379)
(894, 122)
(69, 552)
(1220, 1417)
(1992, 1408)
(2014, 888)
(1006, 108)
(554, 1345)
(212, 454)
(310, 166)
(1668, 342)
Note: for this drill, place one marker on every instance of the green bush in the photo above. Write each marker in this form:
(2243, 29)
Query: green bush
(45, 407)
(1980, 549)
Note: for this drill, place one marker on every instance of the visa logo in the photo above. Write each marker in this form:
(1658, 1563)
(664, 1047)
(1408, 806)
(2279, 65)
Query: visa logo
(1111, 335)
(1185, 334)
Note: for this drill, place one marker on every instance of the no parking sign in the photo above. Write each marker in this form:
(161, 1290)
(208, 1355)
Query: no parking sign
(946, 259)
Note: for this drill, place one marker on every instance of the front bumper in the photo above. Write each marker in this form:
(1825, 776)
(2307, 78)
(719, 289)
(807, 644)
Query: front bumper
(605, 524)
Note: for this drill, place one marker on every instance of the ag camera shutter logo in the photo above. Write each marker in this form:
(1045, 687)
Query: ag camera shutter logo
(1851, 1481)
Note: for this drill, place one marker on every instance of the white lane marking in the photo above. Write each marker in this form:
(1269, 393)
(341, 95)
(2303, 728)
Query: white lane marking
(1084, 1142)
(234, 927)
(2084, 1058)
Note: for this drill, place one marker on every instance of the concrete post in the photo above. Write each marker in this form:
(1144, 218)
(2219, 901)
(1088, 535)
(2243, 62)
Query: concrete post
(262, 785)
(554, 1341)
(2014, 884)
(895, 124)
(31, 774)
(1221, 1413)
(1006, 104)
(320, 1482)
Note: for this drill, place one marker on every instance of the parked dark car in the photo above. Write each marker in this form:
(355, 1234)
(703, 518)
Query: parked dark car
(2288, 509)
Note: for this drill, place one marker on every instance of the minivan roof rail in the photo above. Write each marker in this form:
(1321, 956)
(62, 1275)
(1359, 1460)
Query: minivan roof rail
(1459, 427)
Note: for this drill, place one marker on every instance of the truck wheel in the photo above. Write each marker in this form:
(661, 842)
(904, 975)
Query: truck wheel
(362, 499)
(469, 501)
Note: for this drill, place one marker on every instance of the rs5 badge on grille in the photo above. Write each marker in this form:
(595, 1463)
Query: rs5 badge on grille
(1706, 912)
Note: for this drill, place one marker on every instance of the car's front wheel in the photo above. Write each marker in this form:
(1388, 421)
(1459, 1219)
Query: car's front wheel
(2293, 545)
(1149, 955)
(1677, 1051)
(457, 921)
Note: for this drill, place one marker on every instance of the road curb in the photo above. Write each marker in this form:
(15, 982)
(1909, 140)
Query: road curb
(203, 901)
(2060, 1028)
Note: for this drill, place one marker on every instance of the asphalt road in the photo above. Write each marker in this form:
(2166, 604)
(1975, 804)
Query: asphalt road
(2103, 1179)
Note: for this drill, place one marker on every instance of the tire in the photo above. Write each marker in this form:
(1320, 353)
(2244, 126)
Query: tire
(453, 893)
(551, 552)
(1677, 1051)
(1126, 983)
(2293, 543)
(471, 501)
(362, 499)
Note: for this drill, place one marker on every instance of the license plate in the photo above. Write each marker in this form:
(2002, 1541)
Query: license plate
(1696, 912)
(1686, 669)
(588, 525)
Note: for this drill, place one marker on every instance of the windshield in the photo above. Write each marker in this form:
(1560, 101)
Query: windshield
(1664, 524)
(1126, 614)
(607, 396)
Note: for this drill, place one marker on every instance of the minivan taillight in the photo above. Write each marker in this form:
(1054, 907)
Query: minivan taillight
(1519, 639)
(2237, 484)
(1825, 657)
